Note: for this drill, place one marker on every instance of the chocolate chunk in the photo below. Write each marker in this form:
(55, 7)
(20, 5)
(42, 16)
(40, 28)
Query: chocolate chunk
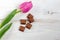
(28, 25)
(23, 21)
(29, 16)
(31, 20)
(22, 28)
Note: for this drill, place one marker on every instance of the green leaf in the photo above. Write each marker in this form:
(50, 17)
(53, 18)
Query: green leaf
(3, 30)
(8, 18)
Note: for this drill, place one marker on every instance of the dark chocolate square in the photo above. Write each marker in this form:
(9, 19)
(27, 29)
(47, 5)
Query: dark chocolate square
(31, 20)
(23, 21)
(22, 28)
(28, 25)
(30, 16)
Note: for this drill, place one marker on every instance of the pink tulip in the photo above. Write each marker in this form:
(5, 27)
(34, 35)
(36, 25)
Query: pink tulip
(25, 7)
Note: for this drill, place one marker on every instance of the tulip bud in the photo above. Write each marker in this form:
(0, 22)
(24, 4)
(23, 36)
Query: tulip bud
(25, 7)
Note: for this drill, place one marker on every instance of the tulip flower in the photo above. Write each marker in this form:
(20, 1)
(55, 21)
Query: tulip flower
(24, 7)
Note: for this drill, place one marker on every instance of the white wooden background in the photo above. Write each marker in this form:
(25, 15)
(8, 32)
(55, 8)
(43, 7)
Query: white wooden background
(44, 30)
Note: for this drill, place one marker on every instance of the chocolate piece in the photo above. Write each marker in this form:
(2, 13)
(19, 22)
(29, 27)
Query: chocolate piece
(22, 28)
(29, 16)
(28, 25)
(31, 20)
(23, 21)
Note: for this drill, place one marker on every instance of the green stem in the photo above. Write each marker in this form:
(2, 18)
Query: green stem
(18, 11)
(9, 17)
(3, 30)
